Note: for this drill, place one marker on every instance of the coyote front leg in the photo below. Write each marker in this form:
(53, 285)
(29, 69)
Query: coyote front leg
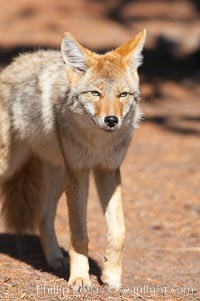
(77, 194)
(109, 189)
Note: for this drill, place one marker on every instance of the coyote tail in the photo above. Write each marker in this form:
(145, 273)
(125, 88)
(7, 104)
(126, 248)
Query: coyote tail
(21, 197)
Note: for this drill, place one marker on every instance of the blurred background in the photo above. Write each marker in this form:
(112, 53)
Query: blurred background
(172, 50)
(161, 178)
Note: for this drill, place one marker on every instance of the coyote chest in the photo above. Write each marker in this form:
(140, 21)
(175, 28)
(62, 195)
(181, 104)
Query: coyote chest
(107, 152)
(84, 151)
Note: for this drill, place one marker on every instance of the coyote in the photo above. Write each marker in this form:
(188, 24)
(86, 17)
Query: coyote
(62, 114)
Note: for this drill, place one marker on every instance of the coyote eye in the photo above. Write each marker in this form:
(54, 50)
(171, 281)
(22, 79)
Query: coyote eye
(95, 93)
(123, 94)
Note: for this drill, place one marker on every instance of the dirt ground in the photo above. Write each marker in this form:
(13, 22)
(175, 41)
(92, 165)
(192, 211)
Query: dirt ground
(161, 178)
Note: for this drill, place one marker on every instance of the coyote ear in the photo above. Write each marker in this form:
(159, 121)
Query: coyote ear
(73, 53)
(131, 50)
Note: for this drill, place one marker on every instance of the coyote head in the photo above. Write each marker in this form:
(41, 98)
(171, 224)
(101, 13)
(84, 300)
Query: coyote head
(105, 87)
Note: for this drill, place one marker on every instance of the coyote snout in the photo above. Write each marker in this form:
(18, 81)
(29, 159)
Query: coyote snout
(111, 121)
(108, 123)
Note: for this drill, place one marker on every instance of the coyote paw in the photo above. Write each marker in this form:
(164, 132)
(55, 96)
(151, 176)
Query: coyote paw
(59, 263)
(111, 280)
(79, 283)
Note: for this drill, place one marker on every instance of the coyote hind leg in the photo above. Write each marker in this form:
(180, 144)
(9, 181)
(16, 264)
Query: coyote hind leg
(53, 187)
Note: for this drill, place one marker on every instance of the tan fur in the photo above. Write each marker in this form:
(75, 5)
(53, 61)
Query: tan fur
(127, 48)
(109, 189)
(76, 190)
(53, 131)
(105, 108)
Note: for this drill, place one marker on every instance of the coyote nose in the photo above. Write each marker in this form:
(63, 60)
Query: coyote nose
(111, 121)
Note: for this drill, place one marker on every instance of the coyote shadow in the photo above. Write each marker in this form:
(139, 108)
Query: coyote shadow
(27, 248)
